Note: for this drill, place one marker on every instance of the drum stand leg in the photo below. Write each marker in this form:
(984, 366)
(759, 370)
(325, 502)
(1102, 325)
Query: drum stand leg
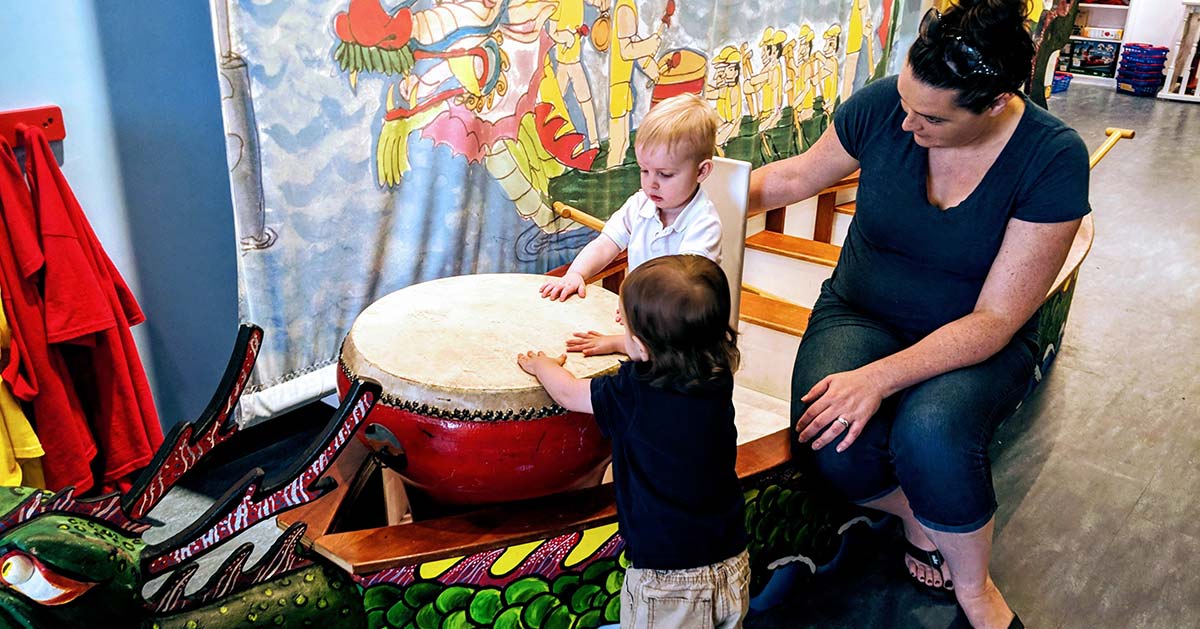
(395, 498)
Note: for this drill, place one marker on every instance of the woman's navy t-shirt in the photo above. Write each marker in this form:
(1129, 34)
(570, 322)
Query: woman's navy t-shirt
(679, 503)
(915, 266)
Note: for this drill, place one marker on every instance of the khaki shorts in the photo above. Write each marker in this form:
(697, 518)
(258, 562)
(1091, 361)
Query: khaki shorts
(711, 596)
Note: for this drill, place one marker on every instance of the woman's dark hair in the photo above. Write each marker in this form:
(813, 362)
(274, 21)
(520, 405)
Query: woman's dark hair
(679, 307)
(979, 47)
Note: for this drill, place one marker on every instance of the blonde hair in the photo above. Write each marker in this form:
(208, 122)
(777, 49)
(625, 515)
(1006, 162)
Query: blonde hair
(685, 124)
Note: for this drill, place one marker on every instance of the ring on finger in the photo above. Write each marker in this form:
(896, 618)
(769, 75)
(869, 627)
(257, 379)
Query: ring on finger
(843, 421)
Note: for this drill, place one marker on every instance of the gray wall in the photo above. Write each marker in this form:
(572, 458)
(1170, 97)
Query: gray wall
(145, 154)
(161, 76)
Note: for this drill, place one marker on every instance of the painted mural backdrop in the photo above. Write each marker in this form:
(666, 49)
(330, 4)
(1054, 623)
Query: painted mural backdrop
(377, 143)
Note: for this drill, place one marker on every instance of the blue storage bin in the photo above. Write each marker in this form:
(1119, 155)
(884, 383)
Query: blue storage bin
(1062, 80)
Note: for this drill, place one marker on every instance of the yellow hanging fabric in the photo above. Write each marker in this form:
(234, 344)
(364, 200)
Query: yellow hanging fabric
(20, 450)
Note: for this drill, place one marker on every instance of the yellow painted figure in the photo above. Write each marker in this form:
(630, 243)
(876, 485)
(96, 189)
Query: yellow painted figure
(791, 72)
(753, 98)
(859, 26)
(724, 91)
(626, 50)
(768, 81)
(808, 69)
(565, 29)
(828, 61)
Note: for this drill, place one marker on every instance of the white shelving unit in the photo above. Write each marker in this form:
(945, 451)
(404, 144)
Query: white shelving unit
(1092, 14)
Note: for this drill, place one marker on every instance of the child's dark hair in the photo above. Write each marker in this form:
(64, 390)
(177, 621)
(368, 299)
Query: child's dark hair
(679, 307)
(979, 47)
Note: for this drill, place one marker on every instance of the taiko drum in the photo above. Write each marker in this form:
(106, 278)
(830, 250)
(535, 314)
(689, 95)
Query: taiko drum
(462, 422)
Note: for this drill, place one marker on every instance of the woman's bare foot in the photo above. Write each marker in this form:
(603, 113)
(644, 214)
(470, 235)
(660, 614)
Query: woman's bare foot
(931, 575)
(985, 609)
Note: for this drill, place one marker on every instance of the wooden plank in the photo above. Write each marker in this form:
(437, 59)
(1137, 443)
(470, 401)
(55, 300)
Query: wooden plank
(616, 266)
(774, 314)
(850, 181)
(371, 550)
(794, 247)
(848, 208)
(764, 454)
(1079, 250)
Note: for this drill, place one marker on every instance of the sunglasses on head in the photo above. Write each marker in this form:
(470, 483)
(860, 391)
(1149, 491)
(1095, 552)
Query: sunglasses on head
(963, 59)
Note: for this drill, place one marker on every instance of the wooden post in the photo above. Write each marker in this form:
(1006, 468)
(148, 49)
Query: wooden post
(823, 227)
(613, 282)
(395, 498)
(776, 219)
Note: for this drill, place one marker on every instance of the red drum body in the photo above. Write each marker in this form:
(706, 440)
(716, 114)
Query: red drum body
(463, 422)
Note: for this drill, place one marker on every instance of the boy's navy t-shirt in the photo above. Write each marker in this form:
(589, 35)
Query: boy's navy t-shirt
(679, 503)
(915, 266)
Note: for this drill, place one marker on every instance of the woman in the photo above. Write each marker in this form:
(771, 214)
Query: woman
(923, 339)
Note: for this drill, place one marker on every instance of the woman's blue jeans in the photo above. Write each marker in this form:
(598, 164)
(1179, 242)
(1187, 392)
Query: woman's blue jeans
(931, 439)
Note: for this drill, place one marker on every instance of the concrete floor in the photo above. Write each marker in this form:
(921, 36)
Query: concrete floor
(1097, 475)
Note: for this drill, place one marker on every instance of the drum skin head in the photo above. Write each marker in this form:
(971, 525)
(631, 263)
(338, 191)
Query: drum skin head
(451, 344)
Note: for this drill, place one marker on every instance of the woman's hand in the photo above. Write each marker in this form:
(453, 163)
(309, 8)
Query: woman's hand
(840, 403)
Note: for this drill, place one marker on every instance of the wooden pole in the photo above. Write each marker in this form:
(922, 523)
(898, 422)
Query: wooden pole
(1114, 135)
(577, 215)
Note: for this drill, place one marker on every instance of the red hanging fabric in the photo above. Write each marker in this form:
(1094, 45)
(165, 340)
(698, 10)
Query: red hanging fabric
(36, 371)
(88, 305)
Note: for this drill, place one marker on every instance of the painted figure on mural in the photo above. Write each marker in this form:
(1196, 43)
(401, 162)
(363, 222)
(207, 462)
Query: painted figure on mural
(806, 86)
(568, 31)
(724, 91)
(768, 81)
(752, 96)
(827, 59)
(790, 71)
(450, 67)
(858, 29)
(627, 51)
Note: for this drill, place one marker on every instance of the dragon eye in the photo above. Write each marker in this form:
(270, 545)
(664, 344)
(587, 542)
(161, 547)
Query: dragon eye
(17, 569)
(35, 581)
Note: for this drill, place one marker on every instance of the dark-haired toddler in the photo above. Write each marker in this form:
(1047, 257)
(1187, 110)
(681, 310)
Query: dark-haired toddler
(669, 412)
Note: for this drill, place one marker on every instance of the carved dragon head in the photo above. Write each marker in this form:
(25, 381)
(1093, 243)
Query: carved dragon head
(82, 562)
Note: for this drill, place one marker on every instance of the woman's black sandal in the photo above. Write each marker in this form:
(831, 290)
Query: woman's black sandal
(931, 558)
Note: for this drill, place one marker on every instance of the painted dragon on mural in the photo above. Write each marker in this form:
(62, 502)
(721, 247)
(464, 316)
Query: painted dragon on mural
(489, 78)
(474, 76)
(67, 561)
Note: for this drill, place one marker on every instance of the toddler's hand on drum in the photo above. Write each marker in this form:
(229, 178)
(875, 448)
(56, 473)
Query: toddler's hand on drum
(560, 288)
(532, 361)
(593, 343)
